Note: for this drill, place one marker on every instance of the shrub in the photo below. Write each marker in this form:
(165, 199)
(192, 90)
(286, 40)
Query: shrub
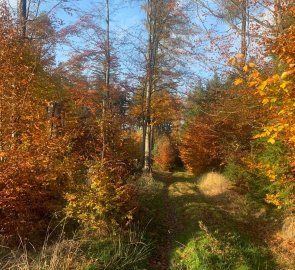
(33, 155)
(165, 154)
(105, 197)
(271, 176)
(264, 174)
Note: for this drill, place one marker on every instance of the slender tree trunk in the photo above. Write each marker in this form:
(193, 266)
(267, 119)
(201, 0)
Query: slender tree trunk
(108, 56)
(22, 16)
(106, 93)
(155, 26)
(143, 128)
(1, 128)
(278, 16)
(151, 18)
(147, 139)
(244, 9)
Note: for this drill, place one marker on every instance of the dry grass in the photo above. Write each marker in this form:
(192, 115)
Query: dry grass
(280, 240)
(117, 250)
(213, 184)
(63, 254)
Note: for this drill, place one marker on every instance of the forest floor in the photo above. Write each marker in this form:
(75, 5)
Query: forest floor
(203, 223)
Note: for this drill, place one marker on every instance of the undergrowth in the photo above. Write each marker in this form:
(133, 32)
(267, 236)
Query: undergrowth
(115, 250)
(210, 236)
(220, 251)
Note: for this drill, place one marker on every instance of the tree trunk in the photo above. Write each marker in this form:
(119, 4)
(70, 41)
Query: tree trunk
(278, 16)
(152, 48)
(147, 134)
(22, 16)
(106, 94)
(143, 127)
(244, 9)
(108, 56)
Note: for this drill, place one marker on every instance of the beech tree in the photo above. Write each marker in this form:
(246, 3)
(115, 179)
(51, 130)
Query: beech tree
(164, 19)
(32, 172)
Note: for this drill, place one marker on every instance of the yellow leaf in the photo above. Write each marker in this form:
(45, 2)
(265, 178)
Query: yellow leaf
(240, 55)
(280, 128)
(271, 140)
(275, 78)
(284, 84)
(245, 68)
(252, 65)
(257, 136)
(232, 61)
(262, 85)
(238, 81)
(285, 74)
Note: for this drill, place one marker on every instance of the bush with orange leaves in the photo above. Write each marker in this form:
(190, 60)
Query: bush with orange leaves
(33, 160)
(165, 153)
(221, 129)
(199, 146)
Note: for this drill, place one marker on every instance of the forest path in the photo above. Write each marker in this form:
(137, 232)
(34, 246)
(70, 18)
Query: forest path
(201, 223)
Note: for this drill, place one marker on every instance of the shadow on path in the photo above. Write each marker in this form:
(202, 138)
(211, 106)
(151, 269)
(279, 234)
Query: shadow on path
(186, 217)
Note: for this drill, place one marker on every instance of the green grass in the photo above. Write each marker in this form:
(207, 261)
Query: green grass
(208, 237)
(118, 251)
(153, 216)
(184, 225)
(206, 251)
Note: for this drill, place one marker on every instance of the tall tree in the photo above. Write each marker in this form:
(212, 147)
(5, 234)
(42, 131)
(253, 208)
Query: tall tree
(236, 14)
(107, 67)
(22, 16)
(167, 28)
(152, 10)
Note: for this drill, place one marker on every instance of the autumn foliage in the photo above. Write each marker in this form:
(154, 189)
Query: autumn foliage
(51, 143)
(220, 128)
(33, 162)
(247, 121)
(76, 133)
(276, 92)
(165, 153)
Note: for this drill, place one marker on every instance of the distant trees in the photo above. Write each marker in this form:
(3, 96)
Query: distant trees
(167, 28)
(69, 138)
(165, 153)
(220, 126)
(245, 123)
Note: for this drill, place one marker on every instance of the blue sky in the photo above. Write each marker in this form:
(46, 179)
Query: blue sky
(127, 20)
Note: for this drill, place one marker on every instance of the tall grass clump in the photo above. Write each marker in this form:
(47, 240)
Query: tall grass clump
(88, 250)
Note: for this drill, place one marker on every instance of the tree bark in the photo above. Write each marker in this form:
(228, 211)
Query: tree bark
(22, 16)
(152, 49)
(244, 9)
(106, 93)
(278, 16)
